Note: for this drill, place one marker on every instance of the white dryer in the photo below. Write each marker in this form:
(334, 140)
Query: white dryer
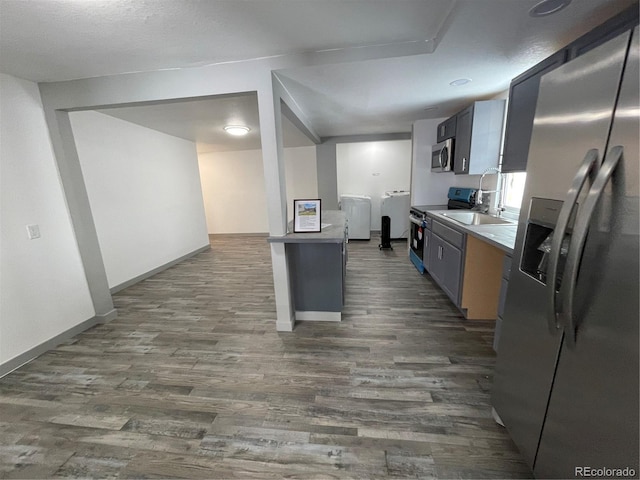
(357, 209)
(396, 206)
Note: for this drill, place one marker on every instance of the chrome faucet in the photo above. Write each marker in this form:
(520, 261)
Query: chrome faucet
(498, 188)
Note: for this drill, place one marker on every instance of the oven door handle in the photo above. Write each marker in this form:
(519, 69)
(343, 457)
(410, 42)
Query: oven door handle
(416, 221)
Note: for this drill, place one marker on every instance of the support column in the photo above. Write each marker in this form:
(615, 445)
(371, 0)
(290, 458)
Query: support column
(275, 186)
(77, 200)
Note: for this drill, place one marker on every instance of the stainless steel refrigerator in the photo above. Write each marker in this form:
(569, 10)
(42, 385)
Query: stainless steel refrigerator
(566, 381)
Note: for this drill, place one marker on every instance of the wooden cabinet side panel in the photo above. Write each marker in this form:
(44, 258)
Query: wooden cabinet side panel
(482, 279)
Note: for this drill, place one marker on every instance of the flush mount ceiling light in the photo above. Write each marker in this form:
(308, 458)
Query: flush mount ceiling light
(548, 7)
(236, 130)
(459, 82)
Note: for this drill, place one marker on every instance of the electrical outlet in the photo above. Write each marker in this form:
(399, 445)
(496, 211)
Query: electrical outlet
(33, 231)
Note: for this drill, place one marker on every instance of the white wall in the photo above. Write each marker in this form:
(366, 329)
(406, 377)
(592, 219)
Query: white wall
(301, 175)
(428, 188)
(144, 192)
(234, 192)
(43, 288)
(372, 168)
(233, 187)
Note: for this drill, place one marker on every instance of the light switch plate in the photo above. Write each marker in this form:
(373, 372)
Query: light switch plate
(33, 231)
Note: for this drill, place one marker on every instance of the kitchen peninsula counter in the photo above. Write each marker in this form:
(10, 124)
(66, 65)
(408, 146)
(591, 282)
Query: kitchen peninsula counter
(317, 268)
(335, 222)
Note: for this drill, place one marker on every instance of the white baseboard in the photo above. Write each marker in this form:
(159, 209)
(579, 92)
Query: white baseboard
(310, 316)
(16, 362)
(107, 317)
(159, 269)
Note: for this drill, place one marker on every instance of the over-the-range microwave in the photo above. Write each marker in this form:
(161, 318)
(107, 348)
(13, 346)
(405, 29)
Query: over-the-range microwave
(442, 156)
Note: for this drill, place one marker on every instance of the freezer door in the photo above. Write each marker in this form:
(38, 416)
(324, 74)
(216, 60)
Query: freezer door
(592, 420)
(573, 116)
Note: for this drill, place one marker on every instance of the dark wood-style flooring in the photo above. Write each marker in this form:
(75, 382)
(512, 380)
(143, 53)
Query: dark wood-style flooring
(193, 381)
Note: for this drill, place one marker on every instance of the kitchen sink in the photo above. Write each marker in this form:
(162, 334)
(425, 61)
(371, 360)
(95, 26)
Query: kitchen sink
(475, 218)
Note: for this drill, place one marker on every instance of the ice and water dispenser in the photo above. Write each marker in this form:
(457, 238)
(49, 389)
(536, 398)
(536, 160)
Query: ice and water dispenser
(543, 216)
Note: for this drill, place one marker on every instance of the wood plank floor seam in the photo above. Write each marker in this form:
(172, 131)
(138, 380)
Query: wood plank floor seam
(193, 381)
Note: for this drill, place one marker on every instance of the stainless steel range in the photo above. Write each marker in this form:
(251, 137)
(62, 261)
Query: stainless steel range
(459, 198)
(418, 224)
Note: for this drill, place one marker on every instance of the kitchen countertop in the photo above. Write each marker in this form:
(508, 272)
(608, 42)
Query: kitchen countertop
(500, 236)
(426, 208)
(333, 232)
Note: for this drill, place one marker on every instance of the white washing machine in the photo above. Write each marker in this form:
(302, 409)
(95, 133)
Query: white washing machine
(396, 206)
(357, 208)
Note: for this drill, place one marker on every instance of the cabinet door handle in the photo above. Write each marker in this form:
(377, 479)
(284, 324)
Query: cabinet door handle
(464, 164)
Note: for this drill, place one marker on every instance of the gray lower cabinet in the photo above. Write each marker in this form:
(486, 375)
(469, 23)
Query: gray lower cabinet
(506, 270)
(317, 265)
(445, 260)
(345, 258)
(318, 276)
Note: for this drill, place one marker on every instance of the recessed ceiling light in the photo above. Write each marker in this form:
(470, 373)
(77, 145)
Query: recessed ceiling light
(548, 7)
(459, 82)
(236, 130)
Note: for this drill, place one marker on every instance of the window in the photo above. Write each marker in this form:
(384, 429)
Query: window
(513, 190)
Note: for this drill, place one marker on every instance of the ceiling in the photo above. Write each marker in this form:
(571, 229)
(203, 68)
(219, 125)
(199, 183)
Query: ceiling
(386, 63)
(203, 120)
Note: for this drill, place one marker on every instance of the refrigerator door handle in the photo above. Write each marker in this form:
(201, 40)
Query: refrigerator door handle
(578, 240)
(589, 164)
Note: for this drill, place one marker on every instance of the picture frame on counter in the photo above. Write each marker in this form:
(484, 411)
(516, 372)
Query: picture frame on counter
(307, 216)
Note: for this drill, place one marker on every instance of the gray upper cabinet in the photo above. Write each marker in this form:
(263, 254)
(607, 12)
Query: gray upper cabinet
(462, 145)
(613, 27)
(523, 95)
(446, 129)
(478, 135)
(523, 92)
